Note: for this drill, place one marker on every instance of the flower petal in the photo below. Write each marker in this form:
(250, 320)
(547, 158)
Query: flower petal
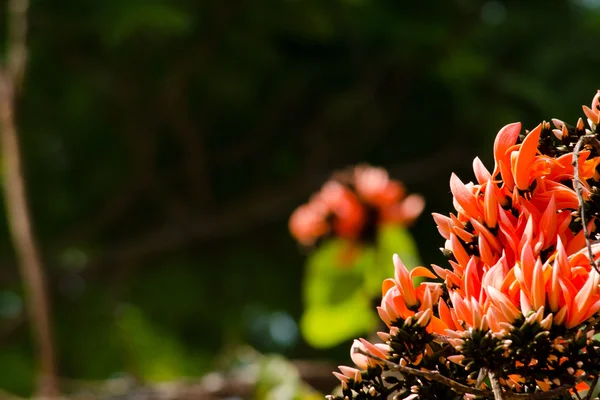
(526, 157)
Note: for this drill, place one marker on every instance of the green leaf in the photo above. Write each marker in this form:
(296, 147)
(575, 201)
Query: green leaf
(337, 307)
(135, 16)
(390, 239)
(19, 371)
(327, 326)
(335, 270)
(343, 279)
(153, 353)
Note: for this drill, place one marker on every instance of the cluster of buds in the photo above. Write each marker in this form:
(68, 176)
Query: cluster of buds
(352, 204)
(516, 310)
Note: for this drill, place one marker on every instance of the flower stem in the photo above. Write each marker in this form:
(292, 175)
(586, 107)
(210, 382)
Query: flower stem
(585, 139)
(496, 388)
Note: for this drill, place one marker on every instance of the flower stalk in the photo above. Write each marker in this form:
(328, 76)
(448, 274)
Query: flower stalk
(496, 388)
(592, 141)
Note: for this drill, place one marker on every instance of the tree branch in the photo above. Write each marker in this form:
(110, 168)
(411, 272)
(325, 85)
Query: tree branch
(584, 139)
(464, 389)
(431, 375)
(19, 219)
(17, 41)
(191, 139)
(593, 385)
(496, 388)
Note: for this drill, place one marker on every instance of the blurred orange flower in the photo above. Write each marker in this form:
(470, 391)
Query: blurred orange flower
(352, 204)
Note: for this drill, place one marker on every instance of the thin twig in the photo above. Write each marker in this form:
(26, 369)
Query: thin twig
(19, 220)
(590, 392)
(17, 41)
(496, 388)
(431, 375)
(464, 389)
(584, 139)
(482, 374)
(439, 338)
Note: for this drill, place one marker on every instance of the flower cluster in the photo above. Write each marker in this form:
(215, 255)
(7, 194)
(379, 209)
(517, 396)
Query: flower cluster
(517, 308)
(352, 204)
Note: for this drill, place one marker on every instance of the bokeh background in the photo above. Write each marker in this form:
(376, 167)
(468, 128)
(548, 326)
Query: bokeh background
(167, 142)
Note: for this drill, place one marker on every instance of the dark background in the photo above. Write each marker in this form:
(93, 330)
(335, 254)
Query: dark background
(166, 143)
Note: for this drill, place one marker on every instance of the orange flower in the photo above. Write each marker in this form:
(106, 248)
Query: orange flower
(593, 113)
(514, 252)
(374, 186)
(402, 300)
(308, 223)
(520, 277)
(347, 211)
(348, 373)
(352, 205)
(362, 361)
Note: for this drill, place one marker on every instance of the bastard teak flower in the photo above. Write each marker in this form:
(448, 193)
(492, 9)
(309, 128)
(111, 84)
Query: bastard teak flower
(359, 214)
(352, 204)
(515, 312)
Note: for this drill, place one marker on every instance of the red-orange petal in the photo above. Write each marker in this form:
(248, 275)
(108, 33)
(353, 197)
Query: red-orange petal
(538, 288)
(444, 224)
(437, 325)
(593, 116)
(506, 138)
(472, 281)
(387, 285)
(481, 173)
(490, 206)
(485, 251)
(464, 196)
(422, 271)
(459, 251)
(548, 223)
(445, 315)
(509, 182)
(503, 303)
(526, 157)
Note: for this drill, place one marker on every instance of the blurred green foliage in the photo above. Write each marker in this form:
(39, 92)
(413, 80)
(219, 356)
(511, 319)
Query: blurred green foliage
(166, 143)
(278, 379)
(343, 282)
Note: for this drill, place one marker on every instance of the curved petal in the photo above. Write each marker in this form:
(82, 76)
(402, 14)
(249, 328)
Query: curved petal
(506, 138)
(464, 197)
(422, 271)
(526, 157)
(481, 173)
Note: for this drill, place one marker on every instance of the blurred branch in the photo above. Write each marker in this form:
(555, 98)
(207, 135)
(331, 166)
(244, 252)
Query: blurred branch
(145, 180)
(16, 201)
(243, 381)
(196, 169)
(257, 138)
(196, 166)
(11, 328)
(17, 43)
(19, 219)
(143, 150)
(321, 135)
(265, 206)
